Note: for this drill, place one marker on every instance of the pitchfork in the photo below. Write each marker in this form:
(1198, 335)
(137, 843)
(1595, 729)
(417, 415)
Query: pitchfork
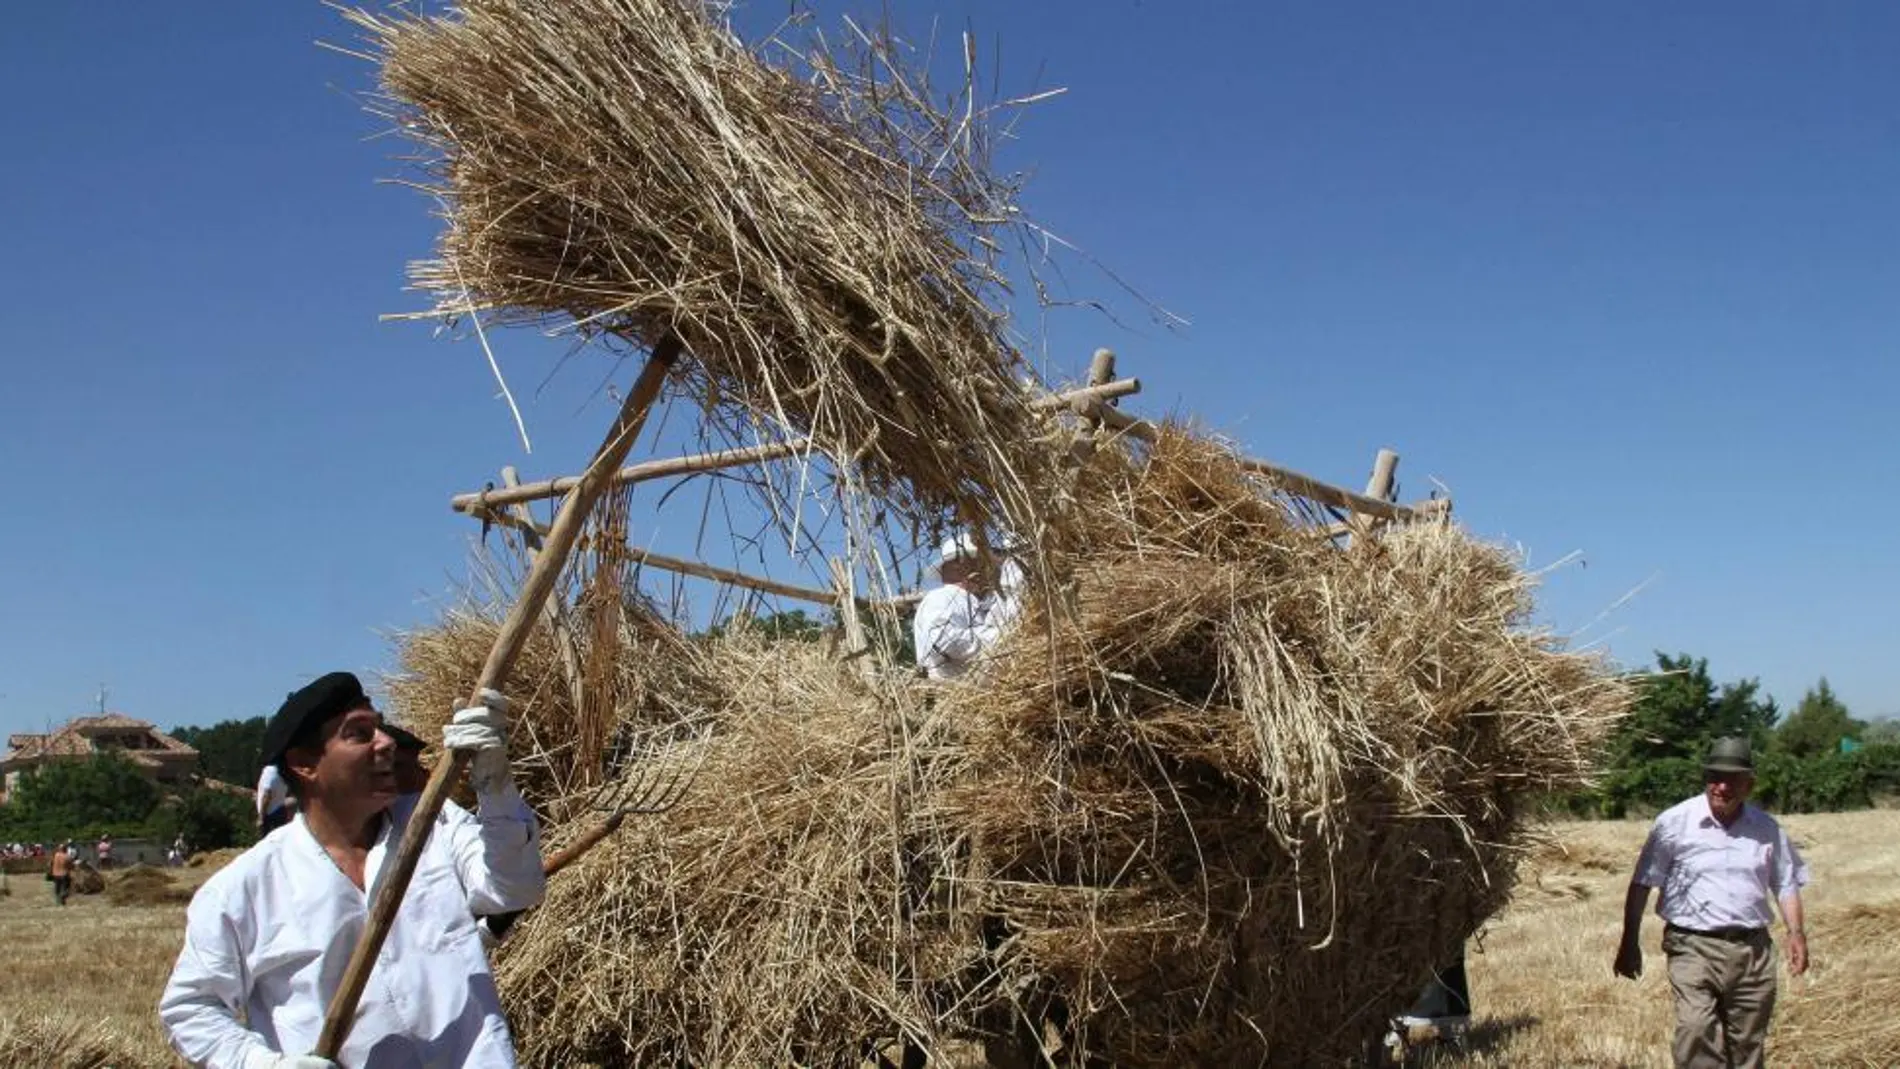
(663, 779)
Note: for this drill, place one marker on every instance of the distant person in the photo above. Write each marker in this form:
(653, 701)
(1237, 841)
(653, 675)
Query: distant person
(1717, 861)
(60, 869)
(273, 800)
(950, 630)
(268, 936)
(103, 852)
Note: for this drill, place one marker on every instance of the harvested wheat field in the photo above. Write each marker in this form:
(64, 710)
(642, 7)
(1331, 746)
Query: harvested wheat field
(90, 974)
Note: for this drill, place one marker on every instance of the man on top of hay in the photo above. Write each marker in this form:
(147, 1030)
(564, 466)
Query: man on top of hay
(951, 629)
(267, 938)
(1717, 860)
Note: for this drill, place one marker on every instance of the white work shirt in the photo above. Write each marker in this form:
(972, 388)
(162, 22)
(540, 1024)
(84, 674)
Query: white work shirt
(1007, 603)
(268, 937)
(272, 791)
(949, 631)
(1718, 877)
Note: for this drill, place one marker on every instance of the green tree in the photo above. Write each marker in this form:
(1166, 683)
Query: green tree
(227, 750)
(209, 819)
(1817, 725)
(1885, 731)
(1679, 710)
(82, 797)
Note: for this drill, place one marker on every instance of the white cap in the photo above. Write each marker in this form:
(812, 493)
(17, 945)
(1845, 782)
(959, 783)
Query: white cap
(956, 548)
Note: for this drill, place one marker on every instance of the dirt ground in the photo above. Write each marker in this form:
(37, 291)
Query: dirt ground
(86, 977)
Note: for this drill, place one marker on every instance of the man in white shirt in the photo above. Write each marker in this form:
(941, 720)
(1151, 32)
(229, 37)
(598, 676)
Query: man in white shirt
(267, 937)
(950, 630)
(1717, 861)
(1003, 607)
(273, 801)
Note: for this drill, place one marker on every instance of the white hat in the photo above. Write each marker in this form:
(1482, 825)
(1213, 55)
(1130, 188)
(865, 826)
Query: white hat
(956, 548)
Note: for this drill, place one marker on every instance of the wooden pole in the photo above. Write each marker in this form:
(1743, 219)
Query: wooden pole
(483, 500)
(1385, 468)
(727, 575)
(560, 540)
(489, 501)
(856, 644)
(1094, 391)
(552, 612)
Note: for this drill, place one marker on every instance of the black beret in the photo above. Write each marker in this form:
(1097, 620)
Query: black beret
(328, 696)
(404, 740)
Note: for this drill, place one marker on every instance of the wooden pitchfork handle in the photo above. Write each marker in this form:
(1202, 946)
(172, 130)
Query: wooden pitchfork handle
(501, 658)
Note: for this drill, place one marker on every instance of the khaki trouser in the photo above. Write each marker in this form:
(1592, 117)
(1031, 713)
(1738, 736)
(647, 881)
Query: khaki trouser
(1725, 995)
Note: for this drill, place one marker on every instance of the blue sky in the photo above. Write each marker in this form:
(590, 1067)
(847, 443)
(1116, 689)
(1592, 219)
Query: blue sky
(1620, 275)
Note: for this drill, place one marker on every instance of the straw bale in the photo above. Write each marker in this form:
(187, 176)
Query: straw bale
(821, 235)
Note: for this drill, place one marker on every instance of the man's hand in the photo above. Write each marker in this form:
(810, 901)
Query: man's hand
(1797, 953)
(1629, 959)
(484, 730)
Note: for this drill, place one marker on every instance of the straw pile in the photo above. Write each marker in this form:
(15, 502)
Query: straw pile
(143, 885)
(41, 1042)
(1237, 801)
(86, 879)
(823, 247)
(1227, 807)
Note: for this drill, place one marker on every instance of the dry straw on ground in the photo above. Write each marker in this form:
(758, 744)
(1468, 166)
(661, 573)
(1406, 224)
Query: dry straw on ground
(822, 235)
(46, 1042)
(1222, 808)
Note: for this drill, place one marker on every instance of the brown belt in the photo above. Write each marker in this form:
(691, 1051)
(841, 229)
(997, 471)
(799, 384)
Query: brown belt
(1730, 935)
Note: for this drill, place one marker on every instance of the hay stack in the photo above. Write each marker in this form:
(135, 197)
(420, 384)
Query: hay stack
(1238, 802)
(823, 247)
(1227, 808)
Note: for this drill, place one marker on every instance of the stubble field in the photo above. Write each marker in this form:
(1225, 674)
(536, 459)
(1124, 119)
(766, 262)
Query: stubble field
(78, 984)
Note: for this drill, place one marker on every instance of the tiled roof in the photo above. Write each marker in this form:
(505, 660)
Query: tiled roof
(75, 740)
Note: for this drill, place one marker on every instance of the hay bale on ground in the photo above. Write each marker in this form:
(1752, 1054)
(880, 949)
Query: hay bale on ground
(143, 885)
(86, 879)
(825, 245)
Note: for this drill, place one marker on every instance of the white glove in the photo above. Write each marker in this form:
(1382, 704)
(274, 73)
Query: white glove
(483, 729)
(270, 1059)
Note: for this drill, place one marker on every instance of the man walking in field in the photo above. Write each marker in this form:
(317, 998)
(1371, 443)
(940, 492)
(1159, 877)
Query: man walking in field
(61, 870)
(1717, 861)
(267, 938)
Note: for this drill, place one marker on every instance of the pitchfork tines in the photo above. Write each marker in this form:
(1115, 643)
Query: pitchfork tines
(652, 780)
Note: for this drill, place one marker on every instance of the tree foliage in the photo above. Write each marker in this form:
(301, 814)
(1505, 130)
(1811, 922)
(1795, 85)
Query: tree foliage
(227, 750)
(1817, 725)
(79, 797)
(1654, 759)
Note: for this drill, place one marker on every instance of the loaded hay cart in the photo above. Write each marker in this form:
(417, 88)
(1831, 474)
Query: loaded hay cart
(1253, 758)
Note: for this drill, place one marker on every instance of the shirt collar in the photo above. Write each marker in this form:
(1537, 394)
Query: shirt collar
(1705, 816)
